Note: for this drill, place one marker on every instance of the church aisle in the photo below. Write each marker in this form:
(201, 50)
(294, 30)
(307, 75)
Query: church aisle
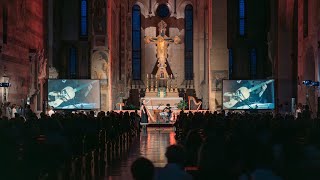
(152, 145)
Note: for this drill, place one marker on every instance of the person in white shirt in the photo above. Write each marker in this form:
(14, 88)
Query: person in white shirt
(13, 111)
(51, 111)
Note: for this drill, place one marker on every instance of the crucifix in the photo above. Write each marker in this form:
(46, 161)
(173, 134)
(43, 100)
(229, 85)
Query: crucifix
(162, 42)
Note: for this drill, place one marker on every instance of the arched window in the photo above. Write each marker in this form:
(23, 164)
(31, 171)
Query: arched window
(188, 52)
(242, 17)
(136, 42)
(230, 63)
(84, 18)
(73, 62)
(253, 63)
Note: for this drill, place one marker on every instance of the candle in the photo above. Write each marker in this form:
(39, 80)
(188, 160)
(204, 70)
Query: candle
(147, 76)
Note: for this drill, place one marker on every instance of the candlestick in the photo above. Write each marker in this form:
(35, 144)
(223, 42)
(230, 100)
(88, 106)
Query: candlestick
(156, 88)
(147, 84)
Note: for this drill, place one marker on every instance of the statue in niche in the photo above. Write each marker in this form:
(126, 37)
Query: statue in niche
(53, 73)
(162, 42)
(162, 74)
(99, 67)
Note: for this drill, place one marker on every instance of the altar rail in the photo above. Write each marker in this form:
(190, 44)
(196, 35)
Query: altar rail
(174, 115)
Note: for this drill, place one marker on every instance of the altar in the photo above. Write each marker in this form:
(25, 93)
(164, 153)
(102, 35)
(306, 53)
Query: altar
(153, 103)
(161, 84)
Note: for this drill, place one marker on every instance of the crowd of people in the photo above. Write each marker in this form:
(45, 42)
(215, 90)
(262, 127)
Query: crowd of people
(242, 146)
(215, 145)
(32, 146)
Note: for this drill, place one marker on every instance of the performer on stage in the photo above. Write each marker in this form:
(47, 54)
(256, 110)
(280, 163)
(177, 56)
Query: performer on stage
(144, 113)
(167, 109)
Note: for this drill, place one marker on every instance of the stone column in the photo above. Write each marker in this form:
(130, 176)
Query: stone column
(218, 52)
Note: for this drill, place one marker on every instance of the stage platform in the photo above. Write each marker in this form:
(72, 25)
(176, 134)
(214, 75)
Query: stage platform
(157, 120)
(159, 124)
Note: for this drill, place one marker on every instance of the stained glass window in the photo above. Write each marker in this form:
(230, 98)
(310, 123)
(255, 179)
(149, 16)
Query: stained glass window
(163, 11)
(136, 43)
(84, 18)
(242, 17)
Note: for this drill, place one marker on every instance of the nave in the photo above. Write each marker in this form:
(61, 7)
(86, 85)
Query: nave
(151, 145)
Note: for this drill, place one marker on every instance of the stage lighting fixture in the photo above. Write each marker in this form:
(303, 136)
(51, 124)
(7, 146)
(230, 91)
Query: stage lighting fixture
(307, 82)
(5, 84)
(315, 84)
(311, 83)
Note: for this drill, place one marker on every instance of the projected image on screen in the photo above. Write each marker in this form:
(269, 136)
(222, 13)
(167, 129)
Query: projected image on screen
(248, 94)
(74, 94)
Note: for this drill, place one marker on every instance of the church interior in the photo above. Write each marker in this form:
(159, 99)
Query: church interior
(163, 61)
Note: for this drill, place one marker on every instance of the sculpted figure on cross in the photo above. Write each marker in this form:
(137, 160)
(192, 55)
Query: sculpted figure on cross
(162, 42)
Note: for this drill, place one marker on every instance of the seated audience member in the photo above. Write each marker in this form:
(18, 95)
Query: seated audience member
(263, 165)
(51, 111)
(142, 169)
(174, 170)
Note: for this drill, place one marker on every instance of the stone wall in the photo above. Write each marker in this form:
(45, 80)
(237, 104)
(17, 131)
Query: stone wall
(308, 53)
(25, 37)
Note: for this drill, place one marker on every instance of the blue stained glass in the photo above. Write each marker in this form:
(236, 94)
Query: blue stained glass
(189, 43)
(136, 43)
(241, 8)
(84, 19)
(84, 26)
(253, 63)
(241, 27)
(230, 63)
(242, 17)
(84, 8)
(163, 11)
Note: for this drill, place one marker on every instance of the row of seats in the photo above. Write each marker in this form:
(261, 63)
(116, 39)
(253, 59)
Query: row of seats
(242, 145)
(64, 146)
(93, 163)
